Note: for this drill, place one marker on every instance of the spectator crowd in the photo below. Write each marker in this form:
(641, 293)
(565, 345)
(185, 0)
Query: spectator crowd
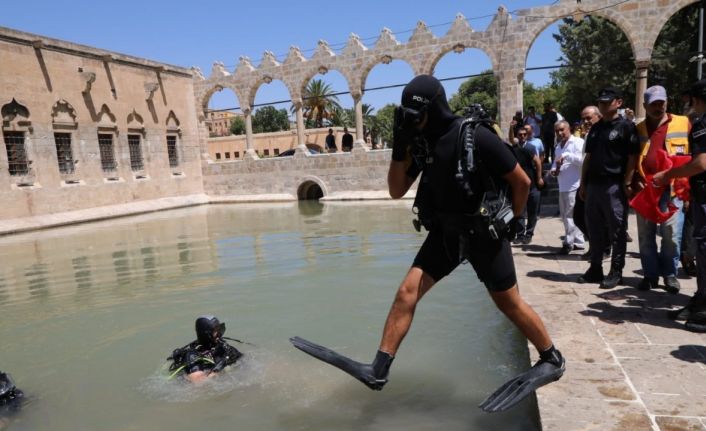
(608, 165)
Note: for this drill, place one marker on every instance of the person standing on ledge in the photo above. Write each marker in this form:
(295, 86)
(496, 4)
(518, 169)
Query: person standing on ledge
(347, 141)
(456, 207)
(331, 142)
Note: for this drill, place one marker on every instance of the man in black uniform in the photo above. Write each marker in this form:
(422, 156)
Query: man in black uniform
(529, 162)
(549, 118)
(426, 140)
(695, 311)
(612, 147)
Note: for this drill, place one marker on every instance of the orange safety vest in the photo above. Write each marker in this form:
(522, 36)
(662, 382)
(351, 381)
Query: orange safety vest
(675, 143)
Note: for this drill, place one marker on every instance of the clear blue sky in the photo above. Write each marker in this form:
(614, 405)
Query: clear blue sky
(175, 33)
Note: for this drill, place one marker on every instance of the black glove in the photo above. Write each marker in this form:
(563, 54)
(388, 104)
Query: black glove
(401, 137)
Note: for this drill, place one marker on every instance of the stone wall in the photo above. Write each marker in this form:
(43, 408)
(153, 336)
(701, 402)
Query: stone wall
(280, 141)
(49, 86)
(360, 174)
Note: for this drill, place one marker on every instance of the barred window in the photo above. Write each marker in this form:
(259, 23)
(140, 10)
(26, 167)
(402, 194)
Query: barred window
(133, 143)
(236, 154)
(276, 151)
(105, 146)
(267, 152)
(227, 155)
(16, 153)
(218, 156)
(63, 152)
(172, 151)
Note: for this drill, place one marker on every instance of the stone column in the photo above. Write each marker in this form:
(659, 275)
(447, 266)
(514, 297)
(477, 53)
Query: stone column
(358, 104)
(509, 97)
(249, 140)
(642, 67)
(301, 140)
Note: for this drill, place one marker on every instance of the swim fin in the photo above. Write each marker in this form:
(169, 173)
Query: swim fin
(545, 371)
(372, 375)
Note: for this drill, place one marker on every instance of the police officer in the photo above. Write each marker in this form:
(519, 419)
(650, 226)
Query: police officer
(612, 148)
(695, 311)
(426, 141)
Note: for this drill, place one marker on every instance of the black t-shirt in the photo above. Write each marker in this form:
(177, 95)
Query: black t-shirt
(697, 143)
(548, 121)
(445, 190)
(347, 141)
(525, 157)
(610, 143)
(330, 141)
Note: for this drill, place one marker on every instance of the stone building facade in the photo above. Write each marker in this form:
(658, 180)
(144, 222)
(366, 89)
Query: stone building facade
(85, 128)
(90, 134)
(218, 123)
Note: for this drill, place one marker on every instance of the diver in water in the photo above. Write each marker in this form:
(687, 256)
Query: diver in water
(10, 399)
(207, 355)
(470, 194)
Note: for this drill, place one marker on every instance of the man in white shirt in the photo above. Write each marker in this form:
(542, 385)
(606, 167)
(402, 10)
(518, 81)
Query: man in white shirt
(568, 159)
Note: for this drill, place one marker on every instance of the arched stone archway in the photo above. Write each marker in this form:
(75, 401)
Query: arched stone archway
(311, 188)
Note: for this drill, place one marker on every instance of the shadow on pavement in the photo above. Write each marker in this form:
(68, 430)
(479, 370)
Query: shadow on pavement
(636, 307)
(690, 353)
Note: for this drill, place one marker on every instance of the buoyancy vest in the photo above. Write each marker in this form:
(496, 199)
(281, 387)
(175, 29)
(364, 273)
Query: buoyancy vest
(676, 142)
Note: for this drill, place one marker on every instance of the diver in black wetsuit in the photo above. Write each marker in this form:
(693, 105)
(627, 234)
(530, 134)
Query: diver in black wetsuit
(208, 354)
(427, 141)
(10, 399)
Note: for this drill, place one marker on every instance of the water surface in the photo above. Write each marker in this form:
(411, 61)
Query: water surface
(88, 314)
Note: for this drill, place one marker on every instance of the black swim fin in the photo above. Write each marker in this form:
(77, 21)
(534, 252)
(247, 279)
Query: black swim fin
(372, 375)
(543, 372)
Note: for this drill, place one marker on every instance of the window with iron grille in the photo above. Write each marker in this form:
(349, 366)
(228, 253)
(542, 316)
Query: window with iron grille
(172, 151)
(133, 143)
(16, 153)
(218, 156)
(63, 152)
(105, 145)
(236, 154)
(227, 155)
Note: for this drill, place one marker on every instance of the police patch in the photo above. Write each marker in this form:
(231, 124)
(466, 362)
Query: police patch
(699, 133)
(613, 135)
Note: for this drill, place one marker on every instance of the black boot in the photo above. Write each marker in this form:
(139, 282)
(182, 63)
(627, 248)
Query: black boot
(614, 278)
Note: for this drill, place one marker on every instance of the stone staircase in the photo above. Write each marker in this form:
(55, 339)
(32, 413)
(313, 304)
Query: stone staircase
(550, 194)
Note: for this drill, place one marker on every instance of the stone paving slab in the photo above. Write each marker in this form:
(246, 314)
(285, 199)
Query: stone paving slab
(628, 366)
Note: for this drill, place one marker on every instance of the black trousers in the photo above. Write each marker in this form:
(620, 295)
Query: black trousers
(606, 217)
(528, 219)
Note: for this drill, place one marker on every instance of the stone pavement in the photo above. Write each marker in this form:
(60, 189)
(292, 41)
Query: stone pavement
(628, 366)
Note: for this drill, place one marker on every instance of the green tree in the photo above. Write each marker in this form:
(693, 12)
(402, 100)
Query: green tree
(676, 44)
(237, 126)
(385, 118)
(270, 119)
(342, 117)
(596, 54)
(481, 89)
(319, 103)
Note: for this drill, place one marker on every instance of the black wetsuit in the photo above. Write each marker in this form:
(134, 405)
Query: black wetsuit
(195, 357)
(447, 201)
(11, 402)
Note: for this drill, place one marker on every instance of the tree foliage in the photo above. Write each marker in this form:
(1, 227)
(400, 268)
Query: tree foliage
(676, 44)
(270, 119)
(481, 89)
(596, 54)
(385, 117)
(237, 126)
(319, 103)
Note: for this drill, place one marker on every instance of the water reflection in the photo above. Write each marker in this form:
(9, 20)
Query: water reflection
(36, 279)
(82, 272)
(270, 273)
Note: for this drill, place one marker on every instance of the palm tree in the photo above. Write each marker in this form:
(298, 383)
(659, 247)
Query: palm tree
(319, 102)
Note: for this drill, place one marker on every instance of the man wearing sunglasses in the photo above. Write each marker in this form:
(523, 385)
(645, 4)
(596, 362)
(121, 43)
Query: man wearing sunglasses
(426, 141)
